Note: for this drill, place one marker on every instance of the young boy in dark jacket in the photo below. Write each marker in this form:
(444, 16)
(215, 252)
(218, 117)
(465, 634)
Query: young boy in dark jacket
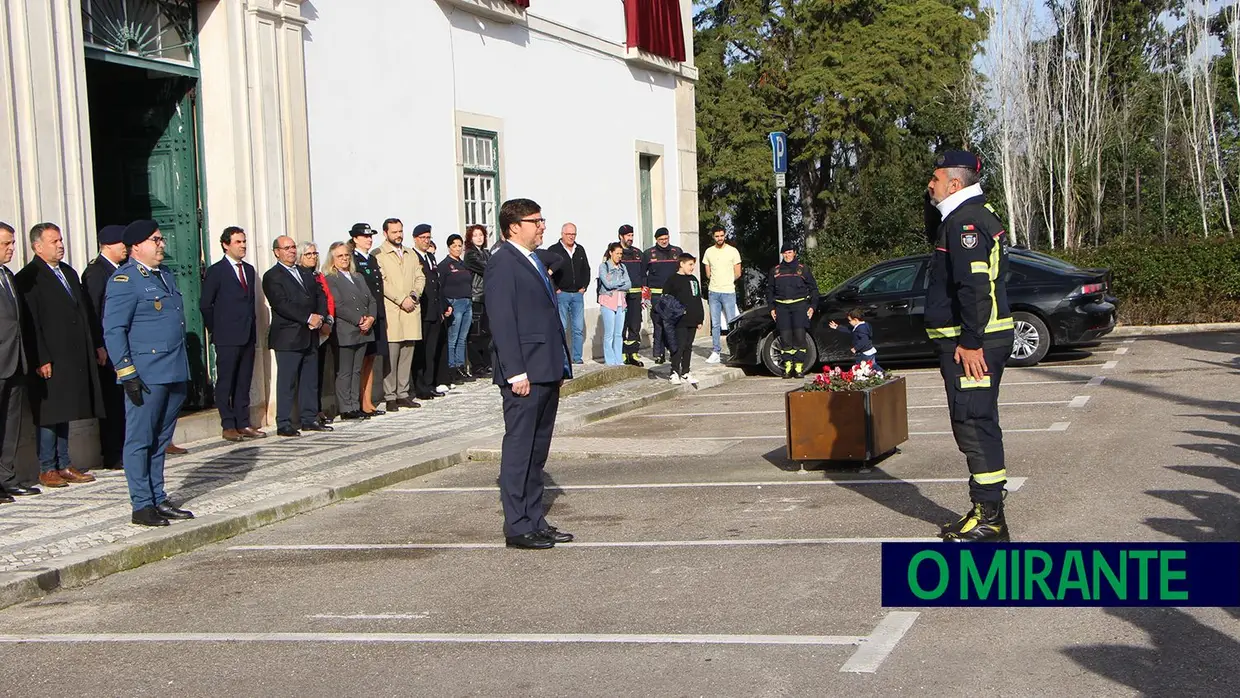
(862, 338)
(685, 287)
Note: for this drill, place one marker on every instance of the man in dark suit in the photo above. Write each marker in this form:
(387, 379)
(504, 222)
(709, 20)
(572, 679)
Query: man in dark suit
(430, 360)
(63, 348)
(227, 306)
(530, 360)
(298, 310)
(12, 372)
(112, 254)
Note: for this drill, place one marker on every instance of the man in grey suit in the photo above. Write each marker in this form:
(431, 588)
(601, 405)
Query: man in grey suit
(355, 318)
(12, 372)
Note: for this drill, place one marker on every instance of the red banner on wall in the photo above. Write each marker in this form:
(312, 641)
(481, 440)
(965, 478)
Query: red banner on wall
(520, 3)
(654, 26)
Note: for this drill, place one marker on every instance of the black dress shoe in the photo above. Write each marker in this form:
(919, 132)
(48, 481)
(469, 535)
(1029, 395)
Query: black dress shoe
(376, 413)
(287, 432)
(426, 396)
(462, 376)
(168, 511)
(530, 541)
(554, 534)
(6, 498)
(22, 491)
(406, 402)
(148, 516)
(353, 415)
(317, 426)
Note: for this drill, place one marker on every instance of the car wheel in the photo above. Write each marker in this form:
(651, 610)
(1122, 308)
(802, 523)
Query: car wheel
(1031, 342)
(773, 360)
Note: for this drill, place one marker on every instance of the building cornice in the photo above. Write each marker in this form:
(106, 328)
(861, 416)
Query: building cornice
(498, 10)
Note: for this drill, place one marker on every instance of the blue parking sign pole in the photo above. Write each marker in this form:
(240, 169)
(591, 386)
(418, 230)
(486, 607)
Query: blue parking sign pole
(779, 162)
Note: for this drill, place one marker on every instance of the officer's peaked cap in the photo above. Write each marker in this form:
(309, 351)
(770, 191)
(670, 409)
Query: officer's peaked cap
(139, 231)
(958, 158)
(359, 229)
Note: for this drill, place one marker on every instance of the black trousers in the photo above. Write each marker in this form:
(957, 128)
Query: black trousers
(430, 359)
(632, 340)
(297, 381)
(528, 424)
(974, 407)
(684, 349)
(658, 346)
(478, 348)
(12, 404)
(234, 368)
(793, 323)
(112, 423)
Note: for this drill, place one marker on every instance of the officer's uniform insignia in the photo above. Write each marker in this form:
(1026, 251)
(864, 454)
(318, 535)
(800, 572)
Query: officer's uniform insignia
(142, 270)
(120, 277)
(159, 305)
(968, 240)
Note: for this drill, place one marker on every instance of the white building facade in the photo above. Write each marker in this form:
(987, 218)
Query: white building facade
(302, 117)
(437, 111)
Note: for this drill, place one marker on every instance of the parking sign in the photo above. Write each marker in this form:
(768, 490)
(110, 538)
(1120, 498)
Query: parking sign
(779, 152)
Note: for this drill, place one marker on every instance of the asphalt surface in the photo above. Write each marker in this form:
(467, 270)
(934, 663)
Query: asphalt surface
(718, 568)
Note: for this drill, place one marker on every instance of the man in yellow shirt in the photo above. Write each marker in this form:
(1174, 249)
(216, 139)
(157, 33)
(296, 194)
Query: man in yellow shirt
(723, 267)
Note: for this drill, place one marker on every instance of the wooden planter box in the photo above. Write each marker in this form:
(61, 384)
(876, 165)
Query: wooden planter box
(856, 425)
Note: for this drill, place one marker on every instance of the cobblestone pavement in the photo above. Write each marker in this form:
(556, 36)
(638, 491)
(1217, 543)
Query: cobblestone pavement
(217, 476)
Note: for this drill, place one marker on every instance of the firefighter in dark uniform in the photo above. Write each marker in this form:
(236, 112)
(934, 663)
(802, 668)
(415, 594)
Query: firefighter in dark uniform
(792, 294)
(968, 318)
(662, 262)
(635, 264)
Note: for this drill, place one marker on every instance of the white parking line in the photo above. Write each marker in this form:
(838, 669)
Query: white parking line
(1121, 351)
(1096, 380)
(1013, 484)
(871, 651)
(1109, 365)
(1078, 401)
(1057, 426)
(1001, 404)
(1003, 385)
(708, 414)
(374, 616)
(724, 543)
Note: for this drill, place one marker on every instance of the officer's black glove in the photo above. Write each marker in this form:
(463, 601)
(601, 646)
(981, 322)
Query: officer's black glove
(134, 387)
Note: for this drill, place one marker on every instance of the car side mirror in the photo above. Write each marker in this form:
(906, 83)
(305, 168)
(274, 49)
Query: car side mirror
(848, 293)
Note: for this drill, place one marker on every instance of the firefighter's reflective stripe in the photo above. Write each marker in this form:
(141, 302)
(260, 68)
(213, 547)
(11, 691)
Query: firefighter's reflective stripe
(943, 332)
(991, 477)
(792, 300)
(656, 290)
(994, 325)
(981, 268)
(968, 383)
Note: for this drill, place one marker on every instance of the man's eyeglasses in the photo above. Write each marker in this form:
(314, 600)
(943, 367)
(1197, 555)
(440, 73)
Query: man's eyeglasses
(159, 240)
(310, 254)
(287, 247)
(535, 221)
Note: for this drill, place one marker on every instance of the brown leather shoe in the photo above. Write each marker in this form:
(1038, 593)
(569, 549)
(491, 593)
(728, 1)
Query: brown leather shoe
(232, 435)
(75, 476)
(52, 478)
(252, 433)
(175, 450)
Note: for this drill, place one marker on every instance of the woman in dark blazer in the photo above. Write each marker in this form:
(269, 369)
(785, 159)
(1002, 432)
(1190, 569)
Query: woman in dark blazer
(477, 256)
(355, 317)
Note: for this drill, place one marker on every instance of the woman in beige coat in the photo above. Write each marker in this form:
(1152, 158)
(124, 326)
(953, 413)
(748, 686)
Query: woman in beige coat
(403, 281)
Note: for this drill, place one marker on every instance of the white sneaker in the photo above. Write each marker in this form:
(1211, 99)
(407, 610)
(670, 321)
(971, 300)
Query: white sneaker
(690, 379)
(675, 378)
(713, 358)
(443, 389)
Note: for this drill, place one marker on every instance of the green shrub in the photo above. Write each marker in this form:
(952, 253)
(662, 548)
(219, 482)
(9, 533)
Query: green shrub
(1155, 283)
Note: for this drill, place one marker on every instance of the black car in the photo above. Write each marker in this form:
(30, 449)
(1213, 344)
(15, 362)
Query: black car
(1054, 305)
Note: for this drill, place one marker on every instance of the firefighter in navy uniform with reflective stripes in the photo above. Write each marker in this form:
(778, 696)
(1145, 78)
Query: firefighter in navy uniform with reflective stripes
(662, 263)
(792, 294)
(635, 264)
(968, 318)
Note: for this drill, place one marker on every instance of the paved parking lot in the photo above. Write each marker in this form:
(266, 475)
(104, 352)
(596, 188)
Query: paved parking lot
(706, 563)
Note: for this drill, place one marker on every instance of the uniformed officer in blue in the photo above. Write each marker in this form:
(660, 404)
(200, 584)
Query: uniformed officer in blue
(144, 332)
(968, 318)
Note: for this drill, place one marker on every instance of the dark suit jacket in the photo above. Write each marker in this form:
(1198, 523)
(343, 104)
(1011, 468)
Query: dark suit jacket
(432, 301)
(12, 353)
(57, 330)
(527, 336)
(95, 282)
(291, 306)
(353, 302)
(227, 310)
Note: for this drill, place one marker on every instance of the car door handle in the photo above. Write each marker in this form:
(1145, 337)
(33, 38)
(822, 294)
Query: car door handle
(899, 305)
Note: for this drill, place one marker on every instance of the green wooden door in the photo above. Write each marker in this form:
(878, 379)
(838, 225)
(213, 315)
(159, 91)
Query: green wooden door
(646, 239)
(145, 165)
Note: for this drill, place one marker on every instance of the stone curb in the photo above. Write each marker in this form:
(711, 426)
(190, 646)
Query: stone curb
(1138, 330)
(90, 565)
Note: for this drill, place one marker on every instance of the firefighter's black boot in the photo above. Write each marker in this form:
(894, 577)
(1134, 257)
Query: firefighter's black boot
(632, 360)
(787, 369)
(984, 524)
(799, 371)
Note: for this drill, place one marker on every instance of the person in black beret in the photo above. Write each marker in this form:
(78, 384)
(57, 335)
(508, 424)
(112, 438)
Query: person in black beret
(792, 294)
(634, 263)
(968, 318)
(361, 240)
(144, 332)
(112, 253)
(662, 263)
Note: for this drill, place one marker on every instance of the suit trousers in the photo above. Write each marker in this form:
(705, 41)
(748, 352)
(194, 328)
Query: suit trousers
(396, 373)
(12, 406)
(112, 423)
(297, 380)
(349, 377)
(430, 362)
(528, 424)
(148, 432)
(234, 374)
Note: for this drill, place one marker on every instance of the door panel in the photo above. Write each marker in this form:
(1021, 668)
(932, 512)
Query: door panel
(889, 297)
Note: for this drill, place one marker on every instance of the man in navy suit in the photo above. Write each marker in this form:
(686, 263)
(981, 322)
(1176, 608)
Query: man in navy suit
(530, 360)
(227, 307)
